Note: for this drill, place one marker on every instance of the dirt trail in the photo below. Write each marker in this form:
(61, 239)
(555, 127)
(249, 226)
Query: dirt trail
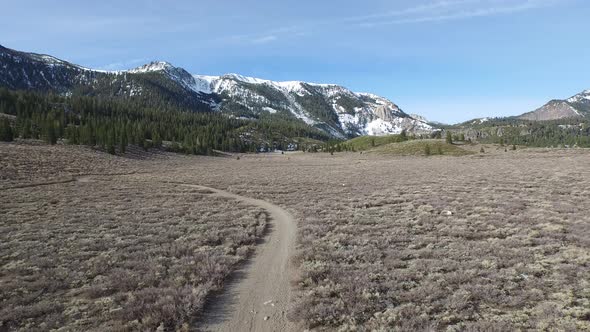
(258, 294)
(257, 297)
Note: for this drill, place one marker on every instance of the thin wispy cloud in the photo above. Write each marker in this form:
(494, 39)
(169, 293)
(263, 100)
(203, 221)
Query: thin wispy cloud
(463, 13)
(266, 37)
(420, 9)
(264, 40)
(123, 64)
(436, 11)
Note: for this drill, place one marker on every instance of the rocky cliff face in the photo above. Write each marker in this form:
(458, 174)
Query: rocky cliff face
(554, 110)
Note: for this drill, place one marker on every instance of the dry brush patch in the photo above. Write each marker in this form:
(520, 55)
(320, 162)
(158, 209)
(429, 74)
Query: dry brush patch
(28, 162)
(115, 253)
(482, 242)
(476, 243)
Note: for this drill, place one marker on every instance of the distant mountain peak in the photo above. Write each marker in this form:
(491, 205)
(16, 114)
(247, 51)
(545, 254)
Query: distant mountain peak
(574, 107)
(152, 66)
(584, 96)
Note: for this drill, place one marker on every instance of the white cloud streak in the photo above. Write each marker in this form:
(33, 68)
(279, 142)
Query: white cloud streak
(264, 39)
(464, 13)
(436, 11)
(124, 64)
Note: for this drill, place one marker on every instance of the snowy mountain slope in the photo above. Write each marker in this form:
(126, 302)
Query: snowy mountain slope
(573, 107)
(581, 102)
(165, 86)
(332, 108)
(41, 72)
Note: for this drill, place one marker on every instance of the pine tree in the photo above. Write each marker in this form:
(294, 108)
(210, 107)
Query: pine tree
(50, 135)
(122, 142)
(6, 132)
(26, 131)
(143, 144)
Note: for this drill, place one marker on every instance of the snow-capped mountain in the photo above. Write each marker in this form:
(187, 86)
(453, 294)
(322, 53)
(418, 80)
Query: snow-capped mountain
(573, 107)
(329, 107)
(41, 72)
(581, 102)
(157, 84)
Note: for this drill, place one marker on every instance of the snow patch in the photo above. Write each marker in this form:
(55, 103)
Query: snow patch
(380, 127)
(203, 83)
(151, 67)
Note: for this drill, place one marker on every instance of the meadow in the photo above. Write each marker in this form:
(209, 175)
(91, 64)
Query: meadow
(482, 241)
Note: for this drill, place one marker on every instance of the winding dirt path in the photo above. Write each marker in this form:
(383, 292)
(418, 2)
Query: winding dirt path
(257, 297)
(258, 294)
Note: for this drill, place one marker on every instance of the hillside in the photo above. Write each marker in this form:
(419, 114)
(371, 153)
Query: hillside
(364, 143)
(577, 106)
(44, 73)
(419, 148)
(331, 108)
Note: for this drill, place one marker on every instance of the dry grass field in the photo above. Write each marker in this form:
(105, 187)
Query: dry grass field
(494, 241)
(111, 252)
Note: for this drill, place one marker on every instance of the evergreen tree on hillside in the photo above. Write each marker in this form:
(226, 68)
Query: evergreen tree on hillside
(110, 141)
(49, 134)
(122, 141)
(6, 132)
(25, 129)
(87, 121)
(449, 138)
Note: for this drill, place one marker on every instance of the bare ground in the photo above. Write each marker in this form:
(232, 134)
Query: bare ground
(259, 297)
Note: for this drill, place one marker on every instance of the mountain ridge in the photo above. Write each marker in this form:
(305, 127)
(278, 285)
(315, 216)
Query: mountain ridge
(576, 106)
(330, 107)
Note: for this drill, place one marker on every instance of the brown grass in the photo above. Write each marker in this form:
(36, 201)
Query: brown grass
(115, 252)
(378, 249)
(498, 241)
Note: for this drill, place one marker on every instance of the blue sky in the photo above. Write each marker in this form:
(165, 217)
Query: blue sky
(449, 60)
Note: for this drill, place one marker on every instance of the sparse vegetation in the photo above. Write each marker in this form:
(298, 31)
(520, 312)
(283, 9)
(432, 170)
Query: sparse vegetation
(364, 143)
(113, 252)
(419, 147)
(430, 246)
(449, 138)
(562, 132)
(489, 243)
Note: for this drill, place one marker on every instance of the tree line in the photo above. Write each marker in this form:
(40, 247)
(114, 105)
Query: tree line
(112, 124)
